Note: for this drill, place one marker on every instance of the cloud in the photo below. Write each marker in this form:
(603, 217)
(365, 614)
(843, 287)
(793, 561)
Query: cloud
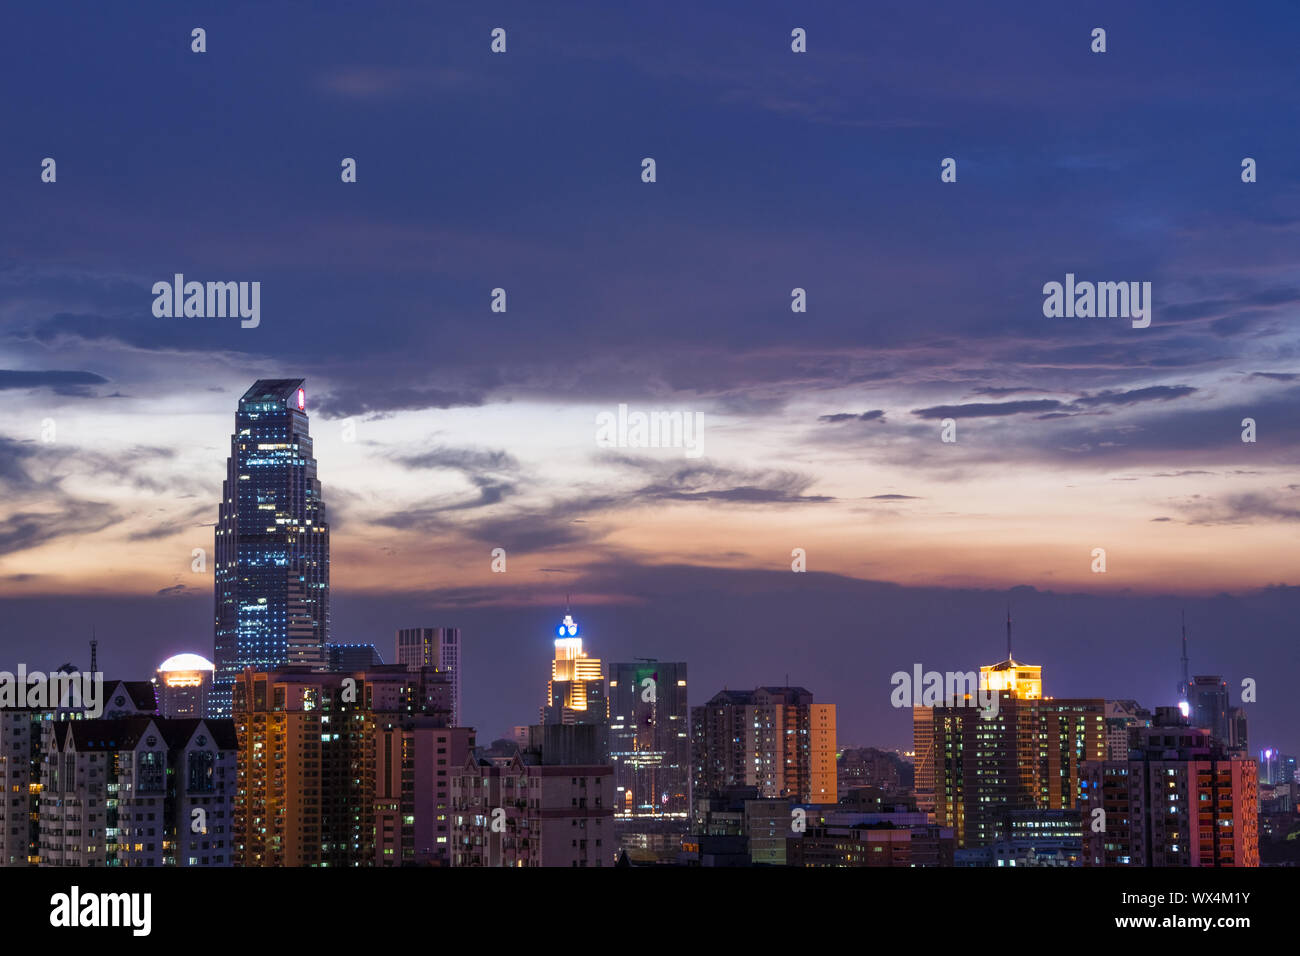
(60, 382)
(371, 400)
(20, 531)
(988, 409)
(875, 415)
(1153, 393)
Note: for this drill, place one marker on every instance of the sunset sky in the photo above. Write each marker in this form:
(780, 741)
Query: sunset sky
(444, 430)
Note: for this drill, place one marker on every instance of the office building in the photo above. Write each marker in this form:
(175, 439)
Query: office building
(272, 543)
(344, 658)
(649, 739)
(575, 694)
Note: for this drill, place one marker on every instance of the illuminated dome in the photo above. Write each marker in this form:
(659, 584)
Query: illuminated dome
(186, 662)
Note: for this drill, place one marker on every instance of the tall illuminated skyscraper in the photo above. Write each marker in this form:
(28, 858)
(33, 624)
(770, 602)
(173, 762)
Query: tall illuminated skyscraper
(649, 733)
(272, 542)
(575, 694)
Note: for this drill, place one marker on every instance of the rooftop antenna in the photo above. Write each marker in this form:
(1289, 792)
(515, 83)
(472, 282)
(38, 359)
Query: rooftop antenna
(1008, 630)
(1186, 683)
(94, 645)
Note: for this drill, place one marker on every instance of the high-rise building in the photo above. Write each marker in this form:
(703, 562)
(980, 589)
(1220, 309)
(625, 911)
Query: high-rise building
(1179, 800)
(1026, 756)
(415, 762)
(316, 765)
(649, 739)
(773, 738)
(184, 683)
(272, 543)
(433, 647)
(575, 694)
(923, 759)
(137, 791)
(1207, 702)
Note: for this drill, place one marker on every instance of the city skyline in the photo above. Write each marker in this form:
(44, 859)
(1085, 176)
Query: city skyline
(445, 430)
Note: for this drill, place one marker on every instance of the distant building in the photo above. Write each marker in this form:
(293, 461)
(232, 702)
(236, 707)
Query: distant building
(869, 767)
(183, 684)
(773, 738)
(649, 739)
(575, 694)
(137, 791)
(1121, 717)
(352, 657)
(434, 647)
(739, 820)
(1207, 700)
(881, 843)
(1179, 800)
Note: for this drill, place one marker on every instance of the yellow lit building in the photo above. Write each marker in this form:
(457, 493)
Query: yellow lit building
(575, 694)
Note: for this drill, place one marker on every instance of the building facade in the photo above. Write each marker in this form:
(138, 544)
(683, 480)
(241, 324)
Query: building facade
(137, 791)
(776, 739)
(1179, 800)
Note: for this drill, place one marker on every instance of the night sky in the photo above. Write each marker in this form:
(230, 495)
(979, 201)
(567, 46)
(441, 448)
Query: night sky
(444, 430)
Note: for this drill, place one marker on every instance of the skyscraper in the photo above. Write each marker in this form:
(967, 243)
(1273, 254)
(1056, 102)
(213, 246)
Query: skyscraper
(272, 542)
(772, 738)
(1179, 799)
(1207, 700)
(1027, 756)
(433, 647)
(649, 737)
(575, 694)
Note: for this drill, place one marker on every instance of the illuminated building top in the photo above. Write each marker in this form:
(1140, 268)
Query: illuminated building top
(1023, 681)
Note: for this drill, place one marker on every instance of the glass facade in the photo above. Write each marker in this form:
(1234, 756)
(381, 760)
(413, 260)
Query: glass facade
(272, 543)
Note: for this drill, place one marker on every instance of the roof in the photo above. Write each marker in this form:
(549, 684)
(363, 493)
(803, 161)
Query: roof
(187, 662)
(272, 390)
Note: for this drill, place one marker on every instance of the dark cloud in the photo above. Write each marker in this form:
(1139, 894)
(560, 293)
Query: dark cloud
(343, 402)
(22, 530)
(1153, 393)
(875, 415)
(988, 409)
(60, 382)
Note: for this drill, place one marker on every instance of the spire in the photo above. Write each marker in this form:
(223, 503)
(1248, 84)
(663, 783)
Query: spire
(94, 646)
(1182, 690)
(1009, 630)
